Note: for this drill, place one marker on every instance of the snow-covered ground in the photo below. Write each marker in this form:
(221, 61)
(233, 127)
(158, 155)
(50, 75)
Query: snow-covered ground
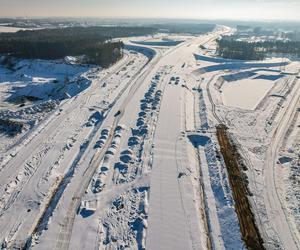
(127, 157)
(288, 171)
(245, 94)
(31, 90)
(257, 101)
(8, 29)
(66, 129)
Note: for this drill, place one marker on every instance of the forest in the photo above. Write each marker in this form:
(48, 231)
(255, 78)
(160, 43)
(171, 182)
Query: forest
(94, 43)
(242, 50)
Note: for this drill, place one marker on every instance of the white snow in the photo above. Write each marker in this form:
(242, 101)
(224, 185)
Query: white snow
(245, 94)
(8, 29)
(108, 159)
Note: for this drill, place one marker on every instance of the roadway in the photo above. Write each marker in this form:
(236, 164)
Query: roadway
(168, 219)
(277, 215)
(170, 225)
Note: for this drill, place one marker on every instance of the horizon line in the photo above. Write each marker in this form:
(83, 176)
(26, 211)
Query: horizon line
(153, 18)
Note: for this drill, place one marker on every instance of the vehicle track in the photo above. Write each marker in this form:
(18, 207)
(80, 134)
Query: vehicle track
(67, 225)
(6, 171)
(27, 139)
(213, 105)
(279, 219)
(65, 234)
(54, 122)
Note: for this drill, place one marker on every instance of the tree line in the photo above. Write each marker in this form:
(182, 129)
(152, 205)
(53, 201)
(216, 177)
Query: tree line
(94, 43)
(243, 50)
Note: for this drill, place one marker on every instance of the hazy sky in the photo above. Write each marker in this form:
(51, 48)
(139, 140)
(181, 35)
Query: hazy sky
(194, 9)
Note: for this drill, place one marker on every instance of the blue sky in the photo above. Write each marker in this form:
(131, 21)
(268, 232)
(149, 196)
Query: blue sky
(194, 9)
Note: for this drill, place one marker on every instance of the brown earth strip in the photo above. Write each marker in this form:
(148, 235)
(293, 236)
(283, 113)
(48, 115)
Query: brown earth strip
(238, 183)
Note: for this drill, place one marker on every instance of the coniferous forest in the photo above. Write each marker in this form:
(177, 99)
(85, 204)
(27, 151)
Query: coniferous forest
(94, 43)
(242, 50)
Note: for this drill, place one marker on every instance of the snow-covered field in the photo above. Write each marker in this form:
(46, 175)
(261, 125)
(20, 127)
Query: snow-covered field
(127, 157)
(8, 29)
(245, 94)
